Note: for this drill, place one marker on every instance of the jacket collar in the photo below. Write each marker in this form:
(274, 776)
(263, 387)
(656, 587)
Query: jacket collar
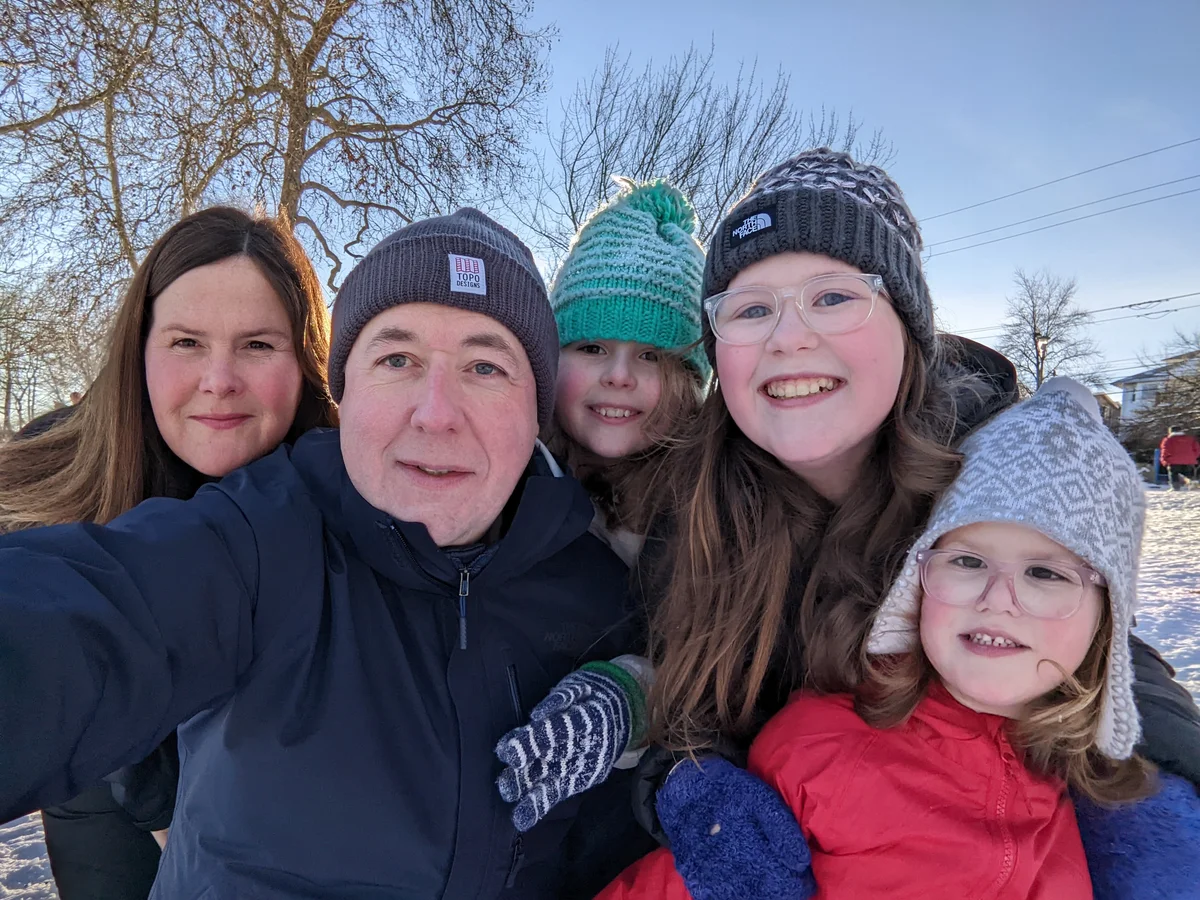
(995, 382)
(948, 718)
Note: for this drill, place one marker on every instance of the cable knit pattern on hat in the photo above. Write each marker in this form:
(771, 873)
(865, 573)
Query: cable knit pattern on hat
(633, 273)
(1049, 463)
(822, 201)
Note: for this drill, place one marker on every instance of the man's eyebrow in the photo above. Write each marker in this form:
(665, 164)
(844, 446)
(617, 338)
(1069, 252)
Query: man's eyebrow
(392, 335)
(489, 340)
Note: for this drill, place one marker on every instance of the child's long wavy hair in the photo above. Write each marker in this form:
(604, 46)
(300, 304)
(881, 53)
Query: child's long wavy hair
(607, 481)
(1056, 737)
(767, 586)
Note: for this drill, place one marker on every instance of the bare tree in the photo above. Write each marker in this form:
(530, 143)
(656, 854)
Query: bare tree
(675, 121)
(50, 347)
(351, 117)
(1044, 334)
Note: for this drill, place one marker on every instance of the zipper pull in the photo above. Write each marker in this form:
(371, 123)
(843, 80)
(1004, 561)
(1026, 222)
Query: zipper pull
(464, 588)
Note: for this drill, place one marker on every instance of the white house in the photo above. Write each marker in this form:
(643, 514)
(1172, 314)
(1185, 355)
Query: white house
(1141, 389)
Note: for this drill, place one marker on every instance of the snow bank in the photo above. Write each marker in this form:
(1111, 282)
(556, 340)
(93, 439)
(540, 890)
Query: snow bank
(1168, 615)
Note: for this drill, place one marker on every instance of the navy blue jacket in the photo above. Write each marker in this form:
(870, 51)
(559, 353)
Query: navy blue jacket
(336, 736)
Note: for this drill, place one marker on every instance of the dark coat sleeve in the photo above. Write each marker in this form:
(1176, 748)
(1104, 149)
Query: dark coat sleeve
(44, 422)
(1170, 719)
(146, 790)
(112, 636)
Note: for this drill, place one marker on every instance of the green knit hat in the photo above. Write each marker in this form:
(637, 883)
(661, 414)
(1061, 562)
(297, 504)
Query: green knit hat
(634, 273)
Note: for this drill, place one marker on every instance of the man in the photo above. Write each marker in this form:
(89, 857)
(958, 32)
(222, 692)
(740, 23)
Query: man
(1179, 451)
(343, 628)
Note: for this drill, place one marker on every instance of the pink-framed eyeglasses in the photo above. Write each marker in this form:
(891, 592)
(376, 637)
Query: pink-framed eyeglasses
(1042, 588)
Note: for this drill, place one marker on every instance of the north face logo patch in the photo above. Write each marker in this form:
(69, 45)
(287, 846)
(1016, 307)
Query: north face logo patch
(752, 225)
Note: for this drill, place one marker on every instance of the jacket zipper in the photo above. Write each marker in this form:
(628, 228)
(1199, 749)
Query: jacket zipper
(464, 584)
(1006, 867)
(514, 692)
(464, 588)
(514, 865)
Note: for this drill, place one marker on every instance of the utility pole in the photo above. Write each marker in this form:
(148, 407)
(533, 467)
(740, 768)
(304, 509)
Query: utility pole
(1042, 342)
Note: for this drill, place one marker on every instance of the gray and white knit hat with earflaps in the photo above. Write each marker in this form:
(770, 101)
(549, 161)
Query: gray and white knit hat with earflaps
(1051, 464)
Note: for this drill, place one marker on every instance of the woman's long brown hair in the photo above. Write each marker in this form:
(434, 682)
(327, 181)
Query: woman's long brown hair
(768, 586)
(107, 455)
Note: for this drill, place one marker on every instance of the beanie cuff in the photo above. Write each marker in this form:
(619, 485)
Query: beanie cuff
(642, 320)
(413, 266)
(831, 223)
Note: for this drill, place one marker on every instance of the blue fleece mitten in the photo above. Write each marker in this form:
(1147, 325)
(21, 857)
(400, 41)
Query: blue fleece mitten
(574, 738)
(1146, 849)
(732, 836)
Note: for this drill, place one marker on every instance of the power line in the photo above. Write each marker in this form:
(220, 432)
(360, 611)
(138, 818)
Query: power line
(1156, 314)
(1138, 305)
(1059, 212)
(1103, 212)
(1059, 180)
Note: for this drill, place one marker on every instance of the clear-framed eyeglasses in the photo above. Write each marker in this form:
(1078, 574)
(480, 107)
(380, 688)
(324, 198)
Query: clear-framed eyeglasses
(1042, 588)
(828, 304)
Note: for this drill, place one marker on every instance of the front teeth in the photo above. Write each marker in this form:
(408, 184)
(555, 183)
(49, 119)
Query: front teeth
(989, 641)
(799, 387)
(612, 412)
(434, 471)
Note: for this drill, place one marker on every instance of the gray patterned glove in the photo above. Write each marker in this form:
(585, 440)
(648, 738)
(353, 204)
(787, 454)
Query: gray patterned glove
(574, 738)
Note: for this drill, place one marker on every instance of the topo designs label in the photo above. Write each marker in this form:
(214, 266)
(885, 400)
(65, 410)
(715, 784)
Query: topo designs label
(752, 225)
(467, 275)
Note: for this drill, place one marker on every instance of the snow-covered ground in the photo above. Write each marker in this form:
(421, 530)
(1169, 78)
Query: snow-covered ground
(1169, 619)
(24, 869)
(1169, 585)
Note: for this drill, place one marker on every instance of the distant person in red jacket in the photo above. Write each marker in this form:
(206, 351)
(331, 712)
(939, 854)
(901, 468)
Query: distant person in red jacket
(1179, 451)
(1001, 677)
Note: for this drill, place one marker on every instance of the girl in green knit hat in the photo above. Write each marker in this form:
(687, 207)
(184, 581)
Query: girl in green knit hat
(627, 303)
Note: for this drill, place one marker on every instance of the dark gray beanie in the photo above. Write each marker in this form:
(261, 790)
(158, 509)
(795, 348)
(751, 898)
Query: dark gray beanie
(465, 260)
(822, 201)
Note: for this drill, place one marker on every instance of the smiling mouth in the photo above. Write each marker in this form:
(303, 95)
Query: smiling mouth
(982, 639)
(791, 388)
(615, 413)
(222, 421)
(432, 471)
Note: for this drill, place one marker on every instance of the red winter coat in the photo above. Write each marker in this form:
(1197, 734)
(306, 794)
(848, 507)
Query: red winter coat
(1179, 450)
(939, 808)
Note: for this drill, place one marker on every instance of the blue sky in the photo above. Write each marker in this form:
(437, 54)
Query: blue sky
(980, 99)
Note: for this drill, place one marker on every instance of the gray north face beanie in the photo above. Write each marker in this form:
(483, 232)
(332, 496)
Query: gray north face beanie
(1049, 463)
(465, 260)
(822, 201)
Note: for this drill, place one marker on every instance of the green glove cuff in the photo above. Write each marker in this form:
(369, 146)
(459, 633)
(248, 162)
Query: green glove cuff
(633, 693)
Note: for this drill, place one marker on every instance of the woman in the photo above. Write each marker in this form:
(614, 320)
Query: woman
(218, 354)
(786, 513)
